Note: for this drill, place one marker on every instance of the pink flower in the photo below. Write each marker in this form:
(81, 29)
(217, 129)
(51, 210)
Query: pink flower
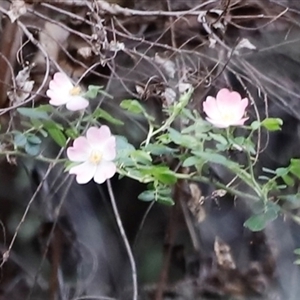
(63, 92)
(96, 153)
(227, 109)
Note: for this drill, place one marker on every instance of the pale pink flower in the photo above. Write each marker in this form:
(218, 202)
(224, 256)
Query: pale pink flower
(227, 109)
(96, 153)
(62, 92)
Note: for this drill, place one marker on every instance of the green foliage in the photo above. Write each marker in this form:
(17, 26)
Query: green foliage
(272, 124)
(33, 113)
(92, 91)
(186, 140)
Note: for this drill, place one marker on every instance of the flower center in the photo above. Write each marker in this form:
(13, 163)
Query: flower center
(75, 91)
(227, 116)
(95, 157)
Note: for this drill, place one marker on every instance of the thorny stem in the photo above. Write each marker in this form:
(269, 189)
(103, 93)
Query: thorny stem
(125, 240)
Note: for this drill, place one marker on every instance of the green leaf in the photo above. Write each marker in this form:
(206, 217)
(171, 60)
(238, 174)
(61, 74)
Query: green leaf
(295, 167)
(187, 141)
(141, 156)
(93, 91)
(45, 107)
(288, 180)
(297, 262)
(57, 135)
(255, 125)
(219, 138)
(124, 148)
(161, 173)
(192, 161)
(165, 200)
(157, 149)
(133, 106)
(215, 158)
(100, 113)
(269, 171)
(33, 139)
(33, 113)
(259, 222)
(71, 133)
(165, 191)
(32, 149)
(297, 251)
(147, 196)
(281, 171)
(266, 178)
(166, 177)
(272, 124)
(20, 139)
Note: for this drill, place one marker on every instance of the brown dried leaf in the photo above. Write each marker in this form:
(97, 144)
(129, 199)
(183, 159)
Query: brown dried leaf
(223, 254)
(195, 203)
(17, 9)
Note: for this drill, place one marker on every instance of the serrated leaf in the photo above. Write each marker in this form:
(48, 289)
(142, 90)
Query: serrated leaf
(166, 177)
(272, 124)
(281, 171)
(133, 106)
(57, 135)
(192, 161)
(214, 158)
(269, 171)
(71, 133)
(187, 141)
(141, 156)
(32, 149)
(288, 180)
(124, 149)
(147, 196)
(45, 107)
(165, 200)
(295, 167)
(259, 222)
(219, 138)
(93, 91)
(255, 125)
(33, 139)
(33, 113)
(100, 113)
(20, 139)
(156, 149)
(161, 173)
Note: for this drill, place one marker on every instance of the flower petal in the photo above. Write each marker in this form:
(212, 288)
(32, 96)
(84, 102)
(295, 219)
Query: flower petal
(218, 124)
(210, 108)
(228, 101)
(77, 103)
(243, 104)
(225, 95)
(84, 172)
(55, 99)
(80, 150)
(109, 149)
(98, 136)
(105, 170)
(240, 122)
(61, 81)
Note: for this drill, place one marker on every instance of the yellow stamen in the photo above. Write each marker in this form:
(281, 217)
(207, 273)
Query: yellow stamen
(95, 157)
(75, 91)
